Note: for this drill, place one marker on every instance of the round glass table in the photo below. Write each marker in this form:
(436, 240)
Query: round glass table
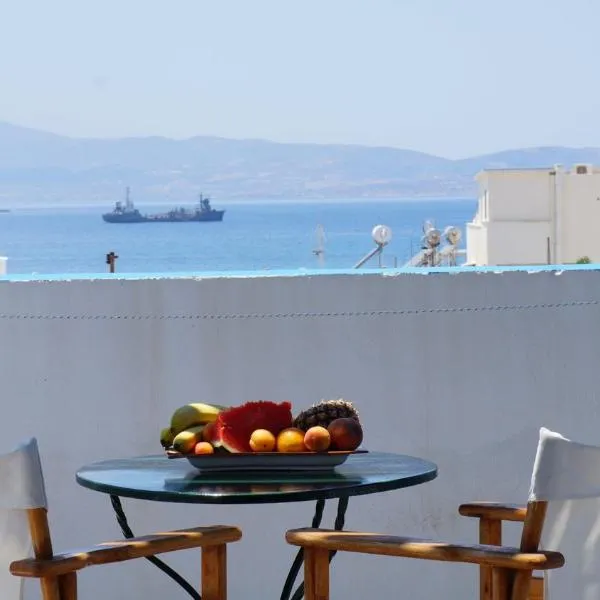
(161, 479)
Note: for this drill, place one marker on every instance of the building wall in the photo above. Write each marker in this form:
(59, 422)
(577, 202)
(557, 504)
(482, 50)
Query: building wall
(519, 195)
(517, 242)
(477, 243)
(580, 212)
(459, 367)
(513, 220)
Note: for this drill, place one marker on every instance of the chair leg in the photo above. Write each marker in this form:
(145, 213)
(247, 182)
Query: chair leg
(316, 574)
(67, 585)
(214, 572)
(521, 586)
(490, 532)
(50, 590)
(536, 590)
(500, 584)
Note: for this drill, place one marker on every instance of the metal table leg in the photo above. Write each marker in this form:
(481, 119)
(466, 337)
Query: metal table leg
(165, 568)
(295, 569)
(286, 594)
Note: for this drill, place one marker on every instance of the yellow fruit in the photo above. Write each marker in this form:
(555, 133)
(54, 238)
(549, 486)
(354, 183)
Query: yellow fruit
(166, 437)
(291, 440)
(262, 440)
(203, 448)
(185, 441)
(194, 414)
(317, 439)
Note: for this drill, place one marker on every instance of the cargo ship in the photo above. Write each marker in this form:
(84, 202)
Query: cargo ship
(128, 213)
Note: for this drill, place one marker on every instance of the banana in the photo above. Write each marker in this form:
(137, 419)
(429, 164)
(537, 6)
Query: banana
(186, 440)
(194, 414)
(166, 437)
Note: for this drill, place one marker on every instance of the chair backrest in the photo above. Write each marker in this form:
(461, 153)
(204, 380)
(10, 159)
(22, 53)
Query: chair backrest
(566, 476)
(22, 493)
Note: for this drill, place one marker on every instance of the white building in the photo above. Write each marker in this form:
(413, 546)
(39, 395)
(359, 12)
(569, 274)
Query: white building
(536, 216)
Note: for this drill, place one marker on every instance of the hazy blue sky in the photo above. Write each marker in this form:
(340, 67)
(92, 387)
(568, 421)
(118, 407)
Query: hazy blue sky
(451, 77)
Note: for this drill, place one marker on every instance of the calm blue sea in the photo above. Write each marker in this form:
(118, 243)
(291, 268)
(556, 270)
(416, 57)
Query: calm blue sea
(252, 236)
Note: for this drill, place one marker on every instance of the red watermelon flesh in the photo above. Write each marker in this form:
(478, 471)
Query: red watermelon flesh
(235, 425)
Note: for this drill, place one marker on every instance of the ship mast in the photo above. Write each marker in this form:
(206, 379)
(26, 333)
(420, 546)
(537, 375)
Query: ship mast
(127, 200)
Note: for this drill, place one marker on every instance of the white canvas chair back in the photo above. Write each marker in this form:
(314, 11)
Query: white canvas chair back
(566, 474)
(21, 488)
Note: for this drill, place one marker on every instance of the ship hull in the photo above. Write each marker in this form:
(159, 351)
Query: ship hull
(122, 218)
(201, 217)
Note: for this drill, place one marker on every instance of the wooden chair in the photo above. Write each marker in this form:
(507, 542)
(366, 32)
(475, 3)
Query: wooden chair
(24, 526)
(564, 503)
(491, 515)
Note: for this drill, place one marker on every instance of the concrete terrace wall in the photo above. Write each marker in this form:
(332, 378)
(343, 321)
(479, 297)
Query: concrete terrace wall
(462, 368)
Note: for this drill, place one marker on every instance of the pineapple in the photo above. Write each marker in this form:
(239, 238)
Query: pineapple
(324, 413)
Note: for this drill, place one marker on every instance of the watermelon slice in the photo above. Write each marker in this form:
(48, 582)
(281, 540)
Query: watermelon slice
(235, 426)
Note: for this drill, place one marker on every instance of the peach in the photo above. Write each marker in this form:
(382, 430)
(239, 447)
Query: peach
(346, 434)
(317, 439)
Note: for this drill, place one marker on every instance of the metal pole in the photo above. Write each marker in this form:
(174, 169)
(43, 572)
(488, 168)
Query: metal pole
(369, 256)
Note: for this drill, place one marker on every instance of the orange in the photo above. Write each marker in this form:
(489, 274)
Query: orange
(291, 440)
(262, 440)
(203, 448)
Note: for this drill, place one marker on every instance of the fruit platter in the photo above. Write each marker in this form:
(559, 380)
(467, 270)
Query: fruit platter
(263, 435)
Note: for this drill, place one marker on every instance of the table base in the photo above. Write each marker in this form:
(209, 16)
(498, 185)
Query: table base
(163, 566)
(292, 575)
(339, 525)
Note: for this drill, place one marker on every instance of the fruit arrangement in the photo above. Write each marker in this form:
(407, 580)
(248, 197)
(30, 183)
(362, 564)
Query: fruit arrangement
(263, 426)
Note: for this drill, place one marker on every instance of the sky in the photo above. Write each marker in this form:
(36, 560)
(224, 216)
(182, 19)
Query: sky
(453, 78)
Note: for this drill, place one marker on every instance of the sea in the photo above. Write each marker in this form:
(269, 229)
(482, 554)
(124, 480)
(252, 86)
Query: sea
(253, 236)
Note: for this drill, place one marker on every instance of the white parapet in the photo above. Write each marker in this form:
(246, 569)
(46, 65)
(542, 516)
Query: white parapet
(460, 367)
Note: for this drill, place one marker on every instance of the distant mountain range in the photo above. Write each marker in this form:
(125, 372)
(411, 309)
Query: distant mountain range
(44, 168)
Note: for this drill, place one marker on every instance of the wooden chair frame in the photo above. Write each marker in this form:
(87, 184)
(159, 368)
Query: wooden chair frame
(58, 572)
(506, 572)
(491, 516)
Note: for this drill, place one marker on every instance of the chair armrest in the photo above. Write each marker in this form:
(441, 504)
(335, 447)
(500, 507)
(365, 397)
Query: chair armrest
(389, 545)
(138, 547)
(493, 511)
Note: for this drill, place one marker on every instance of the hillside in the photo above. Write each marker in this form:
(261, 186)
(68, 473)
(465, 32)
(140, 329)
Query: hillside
(40, 167)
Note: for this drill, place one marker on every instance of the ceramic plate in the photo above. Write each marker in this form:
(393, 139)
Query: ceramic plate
(267, 461)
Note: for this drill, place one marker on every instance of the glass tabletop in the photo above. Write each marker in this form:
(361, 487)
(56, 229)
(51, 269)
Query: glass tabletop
(176, 480)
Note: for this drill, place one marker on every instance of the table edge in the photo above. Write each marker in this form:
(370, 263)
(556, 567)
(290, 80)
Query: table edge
(294, 496)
